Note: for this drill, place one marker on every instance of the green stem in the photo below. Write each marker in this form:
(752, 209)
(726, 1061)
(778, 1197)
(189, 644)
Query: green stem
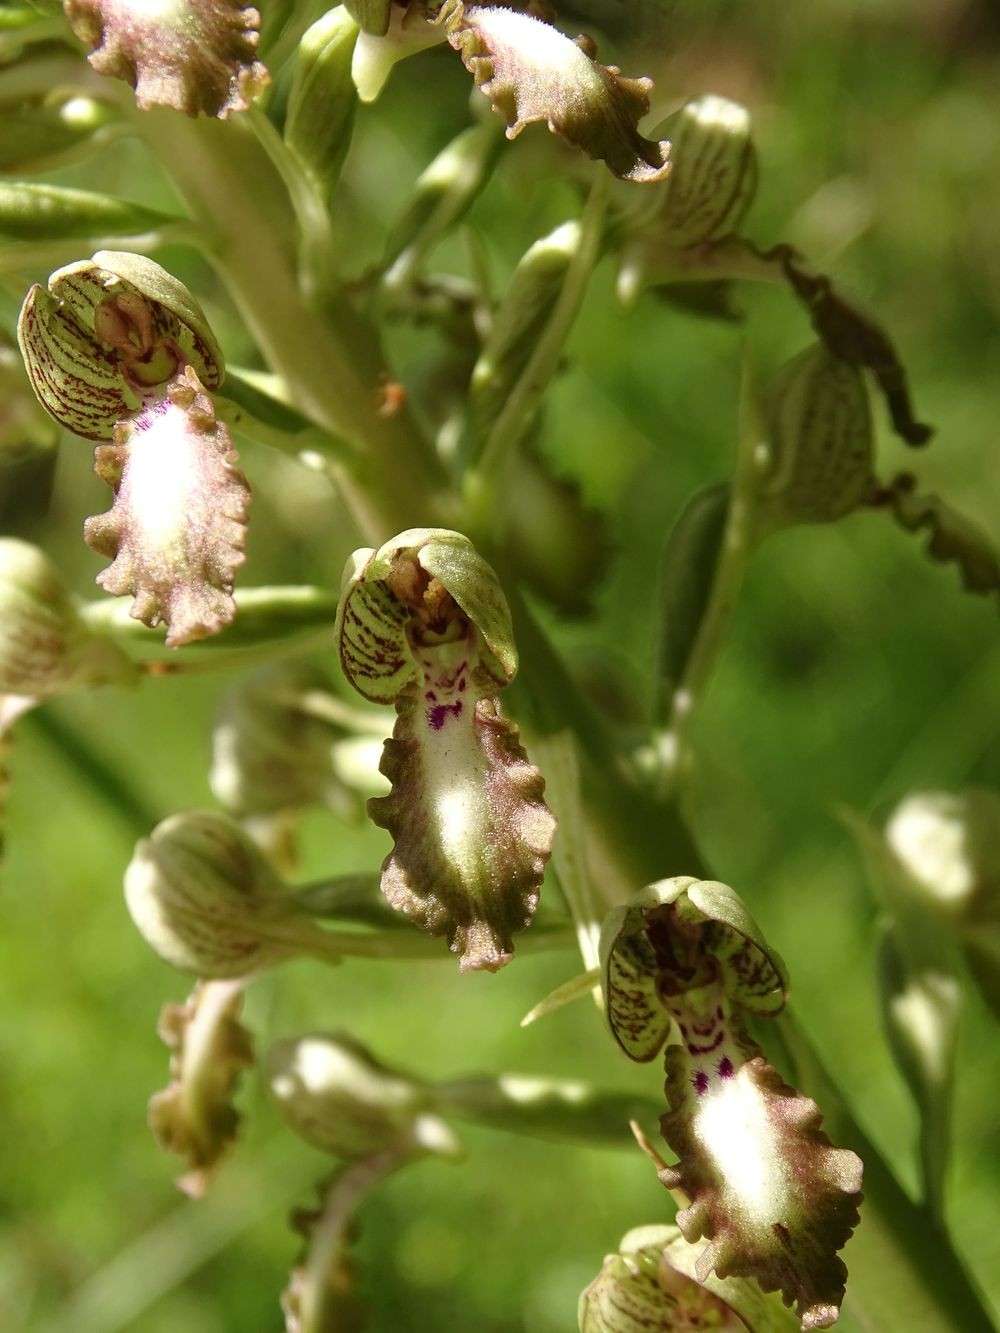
(317, 1297)
(673, 744)
(329, 358)
(523, 403)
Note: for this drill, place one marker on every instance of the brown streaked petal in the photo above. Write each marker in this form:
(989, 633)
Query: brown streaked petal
(532, 72)
(471, 831)
(773, 1197)
(192, 55)
(177, 529)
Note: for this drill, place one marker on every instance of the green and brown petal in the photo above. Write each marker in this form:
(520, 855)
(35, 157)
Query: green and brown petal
(108, 334)
(424, 624)
(197, 56)
(773, 1197)
(177, 530)
(532, 72)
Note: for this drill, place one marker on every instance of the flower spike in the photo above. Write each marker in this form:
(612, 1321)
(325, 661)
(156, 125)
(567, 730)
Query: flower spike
(423, 624)
(772, 1196)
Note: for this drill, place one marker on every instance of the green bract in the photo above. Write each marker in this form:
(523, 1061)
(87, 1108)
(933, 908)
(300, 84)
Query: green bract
(424, 624)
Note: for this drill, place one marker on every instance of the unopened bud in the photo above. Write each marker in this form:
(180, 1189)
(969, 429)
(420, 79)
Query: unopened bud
(949, 844)
(715, 171)
(817, 459)
(339, 1098)
(44, 644)
(204, 898)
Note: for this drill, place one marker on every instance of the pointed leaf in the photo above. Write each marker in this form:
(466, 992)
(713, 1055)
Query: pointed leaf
(196, 56)
(532, 72)
(177, 529)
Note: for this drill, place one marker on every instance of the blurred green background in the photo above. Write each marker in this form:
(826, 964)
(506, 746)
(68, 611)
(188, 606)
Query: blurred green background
(856, 671)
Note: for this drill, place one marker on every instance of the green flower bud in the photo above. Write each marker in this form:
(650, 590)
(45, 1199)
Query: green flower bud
(949, 844)
(339, 1098)
(323, 99)
(715, 171)
(110, 333)
(204, 898)
(816, 464)
(44, 644)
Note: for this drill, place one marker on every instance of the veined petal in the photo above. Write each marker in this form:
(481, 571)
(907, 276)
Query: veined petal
(193, 55)
(531, 71)
(177, 528)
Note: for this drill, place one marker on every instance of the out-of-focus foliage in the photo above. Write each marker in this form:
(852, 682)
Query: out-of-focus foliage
(856, 671)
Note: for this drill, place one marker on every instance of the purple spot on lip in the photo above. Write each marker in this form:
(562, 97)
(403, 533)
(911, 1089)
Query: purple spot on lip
(725, 1067)
(431, 697)
(438, 715)
(700, 1082)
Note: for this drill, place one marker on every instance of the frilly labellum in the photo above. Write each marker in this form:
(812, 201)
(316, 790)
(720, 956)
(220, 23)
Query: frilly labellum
(423, 624)
(118, 351)
(531, 71)
(772, 1196)
(192, 55)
